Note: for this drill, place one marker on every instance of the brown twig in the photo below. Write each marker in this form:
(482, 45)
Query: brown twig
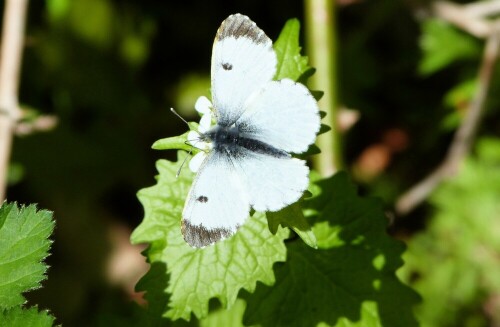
(483, 8)
(10, 63)
(466, 18)
(464, 136)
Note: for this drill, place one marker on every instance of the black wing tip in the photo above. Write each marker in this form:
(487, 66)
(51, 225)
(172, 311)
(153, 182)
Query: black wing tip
(238, 25)
(238, 17)
(198, 236)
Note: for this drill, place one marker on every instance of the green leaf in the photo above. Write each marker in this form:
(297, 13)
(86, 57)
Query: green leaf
(176, 142)
(198, 275)
(154, 283)
(317, 95)
(460, 95)
(456, 256)
(19, 317)
(350, 280)
(24, 244)
(442, 45)
(221, 317)
(290, 63)
(57, 9)
(292, 217)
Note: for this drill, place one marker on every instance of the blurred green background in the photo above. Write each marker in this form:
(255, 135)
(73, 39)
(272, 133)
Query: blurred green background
(106, 72)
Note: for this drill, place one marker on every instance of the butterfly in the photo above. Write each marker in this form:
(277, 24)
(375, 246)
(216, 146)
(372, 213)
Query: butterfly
(247, 161)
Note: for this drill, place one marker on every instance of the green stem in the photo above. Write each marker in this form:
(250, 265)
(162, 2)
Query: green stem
(321, 42)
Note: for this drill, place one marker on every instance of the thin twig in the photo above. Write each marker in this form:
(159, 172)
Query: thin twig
(463, 17)
(10, 63)
(464, 136)
(483, 8)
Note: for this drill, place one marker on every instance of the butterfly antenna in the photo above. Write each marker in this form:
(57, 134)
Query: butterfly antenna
(175, 113)
(183, 162)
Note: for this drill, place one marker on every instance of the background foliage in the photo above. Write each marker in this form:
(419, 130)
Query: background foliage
(109, 70)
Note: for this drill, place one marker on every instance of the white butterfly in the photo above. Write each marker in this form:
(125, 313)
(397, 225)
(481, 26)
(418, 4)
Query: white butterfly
(247, 163)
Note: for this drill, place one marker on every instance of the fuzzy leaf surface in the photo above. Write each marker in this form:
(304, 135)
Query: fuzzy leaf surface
(24, 243)
(350, 280)
(21, 317)
(197, 275)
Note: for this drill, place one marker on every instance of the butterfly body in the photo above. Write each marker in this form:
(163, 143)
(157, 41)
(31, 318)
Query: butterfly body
(260, 123)
(232, 141)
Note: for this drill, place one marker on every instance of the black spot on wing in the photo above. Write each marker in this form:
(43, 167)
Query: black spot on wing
(202, 199)
(200, 236)
(227, 66)
(241, 26)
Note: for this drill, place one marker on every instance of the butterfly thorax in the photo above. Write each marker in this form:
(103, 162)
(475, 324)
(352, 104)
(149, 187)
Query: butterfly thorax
(232, 140)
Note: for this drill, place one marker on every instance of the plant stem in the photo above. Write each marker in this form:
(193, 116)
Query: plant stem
(321, 42)
(10, 63)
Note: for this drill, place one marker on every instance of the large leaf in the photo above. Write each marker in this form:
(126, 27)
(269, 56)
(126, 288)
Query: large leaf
(197, 275)
(19, 317)
(350, 280)
(24, 244)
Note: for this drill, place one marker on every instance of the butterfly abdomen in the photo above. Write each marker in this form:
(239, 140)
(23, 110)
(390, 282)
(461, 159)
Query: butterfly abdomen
(230, 140)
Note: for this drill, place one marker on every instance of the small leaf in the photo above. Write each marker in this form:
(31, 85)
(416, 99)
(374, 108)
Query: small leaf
(460, 95)
(290, 63)
(350, 280)
(19, 317)
(176, 142)
(442, 45)
(24, 244)
(198, 275)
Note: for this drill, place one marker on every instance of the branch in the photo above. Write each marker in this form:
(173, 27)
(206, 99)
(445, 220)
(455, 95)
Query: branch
(464, 136)
(468, 18)
(10, 62)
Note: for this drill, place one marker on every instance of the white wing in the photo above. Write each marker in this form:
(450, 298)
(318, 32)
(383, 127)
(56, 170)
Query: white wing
(216, 205)
(283, 114)
(272, 183)
(243, 60)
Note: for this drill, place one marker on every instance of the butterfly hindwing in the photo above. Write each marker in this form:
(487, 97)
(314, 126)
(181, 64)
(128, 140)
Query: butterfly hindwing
(243, 60)
(271, 182)
(216, 205)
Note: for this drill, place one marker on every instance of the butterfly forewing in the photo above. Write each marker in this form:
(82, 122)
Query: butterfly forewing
(282, 114)
(243, 60)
